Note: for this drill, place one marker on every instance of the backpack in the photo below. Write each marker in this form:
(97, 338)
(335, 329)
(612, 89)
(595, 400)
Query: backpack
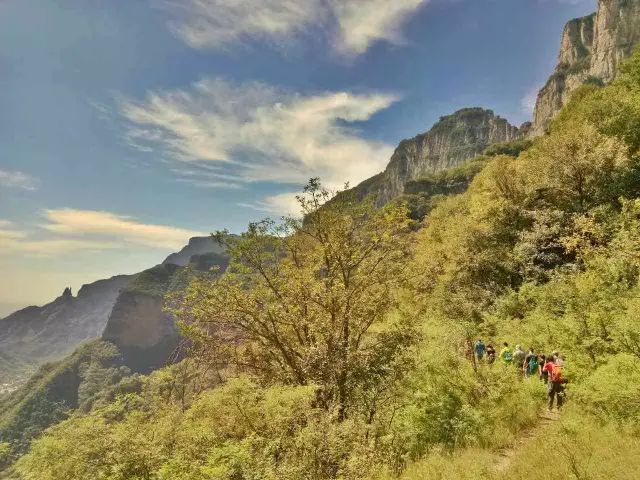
(507, 356)
(556, 374)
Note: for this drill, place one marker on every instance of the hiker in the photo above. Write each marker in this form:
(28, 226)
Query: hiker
(480, 349)
(506, 354)
(558, 359)
(518, 357)
(556, 383)
(530, 366)
(544, 375)
(491, 354)
(468, 350)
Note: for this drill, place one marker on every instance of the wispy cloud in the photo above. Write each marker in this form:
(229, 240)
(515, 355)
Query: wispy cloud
(362, 23)
(354, 25)
(15, 240)
(71, 231)
(280, 204)
(115, 228)
(17, 179)
(254, 132)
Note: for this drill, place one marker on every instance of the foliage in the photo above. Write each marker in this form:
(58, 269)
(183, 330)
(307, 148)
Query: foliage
(55, 390)
(581, 448)
(512, 149)
(308, 302)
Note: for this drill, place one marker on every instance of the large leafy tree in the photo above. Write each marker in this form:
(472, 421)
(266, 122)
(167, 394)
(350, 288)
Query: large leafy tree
(308, 301)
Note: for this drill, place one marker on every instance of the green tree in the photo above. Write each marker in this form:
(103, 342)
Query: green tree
(308, 301)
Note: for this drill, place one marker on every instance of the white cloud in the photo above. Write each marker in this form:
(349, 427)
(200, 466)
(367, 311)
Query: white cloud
(16, 179)
(116, 228)
(281, 204)
(13, 240)
(220, 23)
(71, 231)
(363, 22)
(254, 132)
(354, 24)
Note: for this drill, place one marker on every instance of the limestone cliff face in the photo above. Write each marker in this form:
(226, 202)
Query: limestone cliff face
(144, 332)
(450, 142)
(591, 49)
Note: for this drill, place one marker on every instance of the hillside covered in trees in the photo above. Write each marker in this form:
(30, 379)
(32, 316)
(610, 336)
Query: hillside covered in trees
(333, 347)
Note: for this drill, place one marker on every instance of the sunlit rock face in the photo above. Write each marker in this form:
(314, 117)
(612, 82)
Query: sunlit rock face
(451, 141)
(591, 50)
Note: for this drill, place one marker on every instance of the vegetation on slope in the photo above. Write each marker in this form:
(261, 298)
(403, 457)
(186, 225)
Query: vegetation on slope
(333, 348)
(80, 381)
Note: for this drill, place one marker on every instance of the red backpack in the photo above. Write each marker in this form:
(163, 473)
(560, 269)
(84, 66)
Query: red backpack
(556, 373)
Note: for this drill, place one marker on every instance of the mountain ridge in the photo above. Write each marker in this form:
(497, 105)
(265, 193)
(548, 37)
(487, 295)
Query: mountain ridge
(451, 141)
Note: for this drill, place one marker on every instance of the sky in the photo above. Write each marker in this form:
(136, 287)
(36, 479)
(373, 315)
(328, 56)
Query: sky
(127, 127)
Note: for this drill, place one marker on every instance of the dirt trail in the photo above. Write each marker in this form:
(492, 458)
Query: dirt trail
(505, 457)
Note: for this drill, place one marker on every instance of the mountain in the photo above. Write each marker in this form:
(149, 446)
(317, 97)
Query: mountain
(126, 310)
(453, 140)
(35, 335)
(137, 335)
(196, 246)
(591, 50)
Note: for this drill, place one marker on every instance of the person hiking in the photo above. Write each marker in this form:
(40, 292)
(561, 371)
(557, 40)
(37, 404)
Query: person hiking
(518, 357)
(530, 366)
(544, 375)
(480, 349)
(491, 354)
(556, 383)
(468, 350)
(506, 354)
(558, 359)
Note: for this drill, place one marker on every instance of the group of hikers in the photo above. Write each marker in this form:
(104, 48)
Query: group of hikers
(548, 368)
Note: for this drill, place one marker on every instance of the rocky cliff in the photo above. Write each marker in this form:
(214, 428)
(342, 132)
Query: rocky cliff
(144, 332)
(591, 50)
(451, 141)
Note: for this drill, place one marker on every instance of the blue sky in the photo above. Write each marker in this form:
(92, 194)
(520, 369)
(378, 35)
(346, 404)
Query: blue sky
(127, 126)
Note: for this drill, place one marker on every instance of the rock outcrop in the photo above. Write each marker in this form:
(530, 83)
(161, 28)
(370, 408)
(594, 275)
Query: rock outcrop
(196, 246)
(144, 332)
(591, 50)
(451, 141)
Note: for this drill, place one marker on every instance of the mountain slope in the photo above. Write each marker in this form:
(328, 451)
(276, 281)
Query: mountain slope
(591, 50)
(34, 335)
(453, 140)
